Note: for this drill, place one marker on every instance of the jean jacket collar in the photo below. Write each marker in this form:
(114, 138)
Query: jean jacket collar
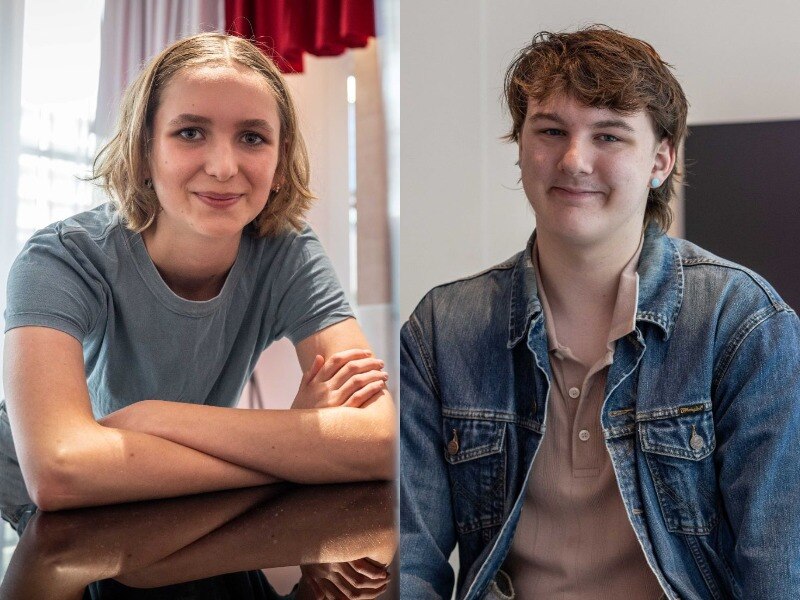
(660, 286)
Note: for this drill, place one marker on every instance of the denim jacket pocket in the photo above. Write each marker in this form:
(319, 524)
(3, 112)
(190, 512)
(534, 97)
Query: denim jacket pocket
(679, 452)
(475, 452)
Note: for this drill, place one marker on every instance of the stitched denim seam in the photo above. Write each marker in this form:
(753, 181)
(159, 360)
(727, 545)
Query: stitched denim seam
(746, 328)
(662, 450)
(613, 433)
(476, 414)
(481, 503)
(691, 262)
(667, 413)
(427, 360)
(731, 581)
(702, 565)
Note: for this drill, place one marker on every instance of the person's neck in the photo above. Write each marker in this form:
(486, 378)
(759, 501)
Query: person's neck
(194, 268)
(582, 281)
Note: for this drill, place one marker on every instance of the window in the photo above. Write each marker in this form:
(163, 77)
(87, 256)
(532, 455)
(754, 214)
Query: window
(60, 66)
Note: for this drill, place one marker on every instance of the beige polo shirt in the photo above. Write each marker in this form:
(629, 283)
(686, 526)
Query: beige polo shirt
(574, 540)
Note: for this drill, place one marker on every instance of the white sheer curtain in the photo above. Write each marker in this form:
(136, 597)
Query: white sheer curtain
(11, 27)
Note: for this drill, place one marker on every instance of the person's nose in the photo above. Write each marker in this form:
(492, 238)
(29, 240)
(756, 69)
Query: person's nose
(221, 161)
(577, 158)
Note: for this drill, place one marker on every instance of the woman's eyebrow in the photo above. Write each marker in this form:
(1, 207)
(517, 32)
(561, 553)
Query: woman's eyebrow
(256, 124)
(187, 118)
(190, 119)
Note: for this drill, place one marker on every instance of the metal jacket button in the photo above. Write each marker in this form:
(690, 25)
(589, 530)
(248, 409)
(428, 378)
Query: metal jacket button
(696, 442)
(452, 445)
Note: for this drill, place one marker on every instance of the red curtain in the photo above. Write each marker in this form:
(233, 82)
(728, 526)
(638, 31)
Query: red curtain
(290, 27)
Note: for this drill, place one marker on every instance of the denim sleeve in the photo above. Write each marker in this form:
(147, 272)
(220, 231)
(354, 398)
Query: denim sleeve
(758, 454)
(427, 532)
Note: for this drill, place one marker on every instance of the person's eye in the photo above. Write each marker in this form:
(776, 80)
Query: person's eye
(552, 132)
(607, 137)
(190, 134)
(253, 139)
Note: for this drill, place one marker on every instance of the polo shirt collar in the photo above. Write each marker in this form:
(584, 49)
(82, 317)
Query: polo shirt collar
(660, 286)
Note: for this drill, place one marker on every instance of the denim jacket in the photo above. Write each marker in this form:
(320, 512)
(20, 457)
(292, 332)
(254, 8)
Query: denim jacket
(701, 418)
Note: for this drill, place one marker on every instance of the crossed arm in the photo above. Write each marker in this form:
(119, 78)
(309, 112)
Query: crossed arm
(157, 449)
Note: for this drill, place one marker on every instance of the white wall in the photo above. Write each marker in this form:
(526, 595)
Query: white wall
(462, 208)
(320, 96)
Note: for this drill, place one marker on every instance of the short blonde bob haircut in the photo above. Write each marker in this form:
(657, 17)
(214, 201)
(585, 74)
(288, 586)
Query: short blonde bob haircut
(122, 165)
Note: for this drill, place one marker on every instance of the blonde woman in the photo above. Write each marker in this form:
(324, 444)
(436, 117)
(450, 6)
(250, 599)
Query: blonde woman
(132, 328)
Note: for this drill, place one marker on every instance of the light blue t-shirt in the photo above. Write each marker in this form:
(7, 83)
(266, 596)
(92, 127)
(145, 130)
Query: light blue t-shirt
(91, 277)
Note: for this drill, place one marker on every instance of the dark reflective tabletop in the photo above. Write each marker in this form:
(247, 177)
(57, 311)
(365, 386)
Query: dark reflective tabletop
(333, 541)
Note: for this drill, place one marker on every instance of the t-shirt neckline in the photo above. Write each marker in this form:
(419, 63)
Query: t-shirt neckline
(152, 278)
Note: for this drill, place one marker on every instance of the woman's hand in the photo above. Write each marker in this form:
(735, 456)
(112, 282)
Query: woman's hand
(348, 378)
(362, 579)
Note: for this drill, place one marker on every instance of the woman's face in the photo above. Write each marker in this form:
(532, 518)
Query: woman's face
(214, 151)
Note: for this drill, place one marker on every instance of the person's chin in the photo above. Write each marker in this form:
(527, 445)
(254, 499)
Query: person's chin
(220, 230)
(573, 231)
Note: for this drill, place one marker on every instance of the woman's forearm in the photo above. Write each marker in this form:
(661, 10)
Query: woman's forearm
(305, 446)
(108, 466)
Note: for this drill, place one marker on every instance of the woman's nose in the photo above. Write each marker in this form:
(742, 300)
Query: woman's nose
(221, 161)
(577, 158)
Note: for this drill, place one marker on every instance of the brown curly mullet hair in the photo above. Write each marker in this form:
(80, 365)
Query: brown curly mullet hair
(602, 68)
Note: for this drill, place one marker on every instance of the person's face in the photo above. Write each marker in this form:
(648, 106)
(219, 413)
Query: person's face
(586, 171)
(214, 150)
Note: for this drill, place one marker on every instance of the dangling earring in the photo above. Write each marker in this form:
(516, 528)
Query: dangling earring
(277, 188)
(148, 183)
(655, 182)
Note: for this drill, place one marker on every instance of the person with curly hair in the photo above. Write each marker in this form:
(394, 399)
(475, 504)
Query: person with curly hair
(611, 413)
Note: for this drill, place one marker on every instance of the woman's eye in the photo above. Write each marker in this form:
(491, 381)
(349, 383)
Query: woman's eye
(190, 133)
(552, 132)
(607, 137)
(252, 139)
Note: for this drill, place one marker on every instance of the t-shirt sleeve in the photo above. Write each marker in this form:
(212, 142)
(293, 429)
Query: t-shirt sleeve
(51, 285)
(306, 293)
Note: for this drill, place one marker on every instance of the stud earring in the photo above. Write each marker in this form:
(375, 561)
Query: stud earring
(655, 182)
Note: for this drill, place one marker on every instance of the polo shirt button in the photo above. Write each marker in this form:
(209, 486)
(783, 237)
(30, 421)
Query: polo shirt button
(583, 435)
(574, 392)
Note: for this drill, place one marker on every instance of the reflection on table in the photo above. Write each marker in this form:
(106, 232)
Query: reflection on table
(210, 546)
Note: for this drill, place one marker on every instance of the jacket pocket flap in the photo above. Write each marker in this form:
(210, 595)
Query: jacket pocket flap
(469, 439)
(689, 434)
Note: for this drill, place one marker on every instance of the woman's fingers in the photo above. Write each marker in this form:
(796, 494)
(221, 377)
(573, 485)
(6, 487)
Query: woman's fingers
(354, 367)
(358, 382)
(369, 568)
(359, 579)
(352, 585)
(340, 359)
(319, 360)
(360, 396)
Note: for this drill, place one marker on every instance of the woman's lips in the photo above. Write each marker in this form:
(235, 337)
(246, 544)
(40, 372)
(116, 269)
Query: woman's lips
(218, 200)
